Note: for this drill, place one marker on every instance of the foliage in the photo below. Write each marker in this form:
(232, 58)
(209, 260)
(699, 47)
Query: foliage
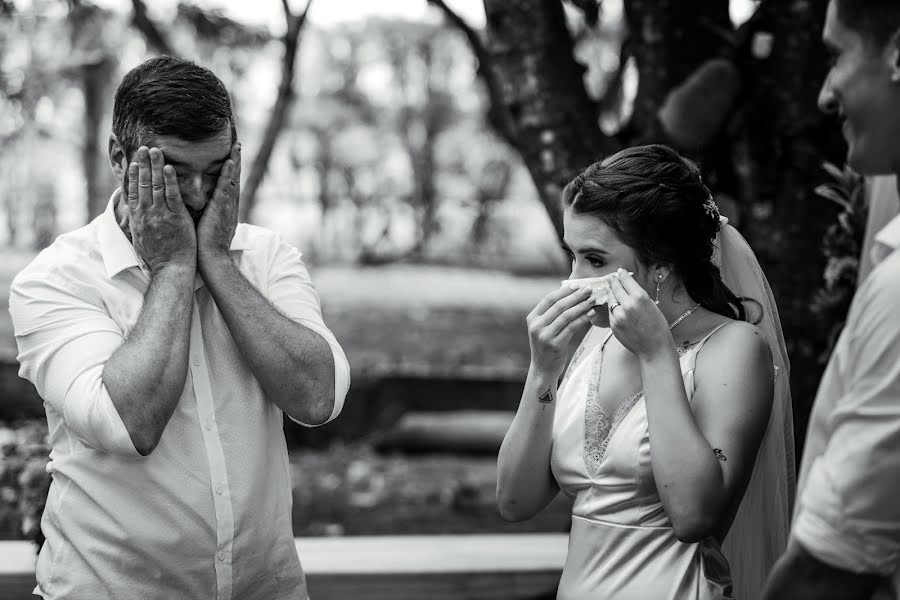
(841, 246)
(349, 489)
(345, 489)
(24, 481)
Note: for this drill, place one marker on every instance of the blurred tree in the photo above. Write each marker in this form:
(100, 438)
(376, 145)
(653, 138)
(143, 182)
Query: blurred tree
(278, 115)
(156, 39)
(37, 73)
(421, 59)
(94, 63)
(499, 118)
(741, 101)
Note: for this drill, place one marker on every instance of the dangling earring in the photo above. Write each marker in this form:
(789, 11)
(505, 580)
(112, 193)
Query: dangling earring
(659, 279)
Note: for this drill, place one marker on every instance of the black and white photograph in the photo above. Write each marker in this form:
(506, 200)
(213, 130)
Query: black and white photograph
(449, 299)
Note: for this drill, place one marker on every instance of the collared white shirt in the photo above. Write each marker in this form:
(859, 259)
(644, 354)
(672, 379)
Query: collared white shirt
(886, 241)
(208, 513)
(883, 205)
(848, 500)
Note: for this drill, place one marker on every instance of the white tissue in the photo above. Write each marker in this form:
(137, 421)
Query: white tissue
(598, 284)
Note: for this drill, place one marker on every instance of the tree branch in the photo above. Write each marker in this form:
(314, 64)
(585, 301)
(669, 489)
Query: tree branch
(154, 36)
(280, 109)
(498, 116)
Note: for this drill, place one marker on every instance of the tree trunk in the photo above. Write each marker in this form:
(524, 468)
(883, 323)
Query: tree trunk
(95, 85)
(497, 116)
(541, 87)
(157, 40)
(783, 143)
(94, 66)
(279, 114)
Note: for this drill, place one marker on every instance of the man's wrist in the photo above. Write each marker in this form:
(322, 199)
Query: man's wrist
(183, 268)
(211, 261)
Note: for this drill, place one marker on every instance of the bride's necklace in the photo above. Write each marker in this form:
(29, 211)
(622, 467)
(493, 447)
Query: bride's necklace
(683, 316)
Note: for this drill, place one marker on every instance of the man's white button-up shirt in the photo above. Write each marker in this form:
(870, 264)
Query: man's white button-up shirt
(208, 513)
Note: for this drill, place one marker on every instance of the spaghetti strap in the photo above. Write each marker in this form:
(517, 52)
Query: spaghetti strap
(695, 350)
(711, 333)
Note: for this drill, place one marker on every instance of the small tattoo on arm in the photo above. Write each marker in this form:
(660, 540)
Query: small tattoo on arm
(719, 454)
(546, 397)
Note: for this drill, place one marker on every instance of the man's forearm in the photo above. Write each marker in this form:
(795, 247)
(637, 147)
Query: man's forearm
(145, 376)
(293, 364)
(800, 576)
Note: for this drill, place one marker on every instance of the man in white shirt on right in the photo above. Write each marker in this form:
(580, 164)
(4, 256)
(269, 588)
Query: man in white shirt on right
(845, 540)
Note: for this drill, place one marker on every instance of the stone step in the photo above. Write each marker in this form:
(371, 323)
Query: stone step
(457, 567)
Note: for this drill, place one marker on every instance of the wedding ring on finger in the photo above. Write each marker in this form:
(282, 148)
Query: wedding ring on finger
(613, 306)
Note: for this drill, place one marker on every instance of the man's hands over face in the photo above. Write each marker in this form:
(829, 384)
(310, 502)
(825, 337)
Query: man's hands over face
(219, 221)
(162, 231)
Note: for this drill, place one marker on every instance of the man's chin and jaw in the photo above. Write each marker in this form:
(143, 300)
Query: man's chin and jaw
(867, 161)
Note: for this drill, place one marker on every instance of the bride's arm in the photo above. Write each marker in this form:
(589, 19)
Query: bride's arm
(525, 484)
(703, 452)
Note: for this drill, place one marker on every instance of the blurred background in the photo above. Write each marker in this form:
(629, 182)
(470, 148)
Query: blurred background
(414, 150)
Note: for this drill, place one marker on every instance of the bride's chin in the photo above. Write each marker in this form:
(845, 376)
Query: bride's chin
(601, 319)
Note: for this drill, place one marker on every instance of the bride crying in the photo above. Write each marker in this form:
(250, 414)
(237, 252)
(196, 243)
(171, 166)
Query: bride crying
(671, 426)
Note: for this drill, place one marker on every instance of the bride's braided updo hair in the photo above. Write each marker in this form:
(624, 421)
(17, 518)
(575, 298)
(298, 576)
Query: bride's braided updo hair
(656, 202)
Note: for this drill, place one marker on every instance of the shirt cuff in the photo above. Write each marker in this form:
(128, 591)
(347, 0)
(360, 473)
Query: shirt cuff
(341, 372)
(843, 549)
(99, 424)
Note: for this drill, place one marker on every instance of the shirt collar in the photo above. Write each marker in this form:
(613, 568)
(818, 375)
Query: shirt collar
(117, 251)
(886, 241)
(890, 234)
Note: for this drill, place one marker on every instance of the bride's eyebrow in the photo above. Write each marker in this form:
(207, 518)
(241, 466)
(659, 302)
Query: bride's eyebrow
(565, 247)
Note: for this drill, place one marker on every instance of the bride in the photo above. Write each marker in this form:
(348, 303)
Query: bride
(671, 429)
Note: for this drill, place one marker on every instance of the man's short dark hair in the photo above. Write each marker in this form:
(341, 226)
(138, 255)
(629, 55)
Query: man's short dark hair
(876, 20)
(170, 96)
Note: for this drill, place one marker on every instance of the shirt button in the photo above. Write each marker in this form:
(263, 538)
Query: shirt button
(221, 555)
(196, 361)
(209, 425)
(219, 489)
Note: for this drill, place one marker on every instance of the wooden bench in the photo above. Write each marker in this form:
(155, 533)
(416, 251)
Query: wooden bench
(415, 567)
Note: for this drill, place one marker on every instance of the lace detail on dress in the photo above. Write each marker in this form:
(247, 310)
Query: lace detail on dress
(598, 426)
(576, 358)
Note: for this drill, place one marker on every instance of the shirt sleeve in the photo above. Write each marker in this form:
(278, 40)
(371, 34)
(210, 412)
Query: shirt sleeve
(292, 292)
(64, 342)
(849, 513)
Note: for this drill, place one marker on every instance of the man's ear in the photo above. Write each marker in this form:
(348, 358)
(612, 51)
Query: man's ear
(118, 160)
(893, 53)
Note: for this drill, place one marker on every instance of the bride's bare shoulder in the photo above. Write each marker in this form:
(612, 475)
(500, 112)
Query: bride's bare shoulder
(739, 345)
